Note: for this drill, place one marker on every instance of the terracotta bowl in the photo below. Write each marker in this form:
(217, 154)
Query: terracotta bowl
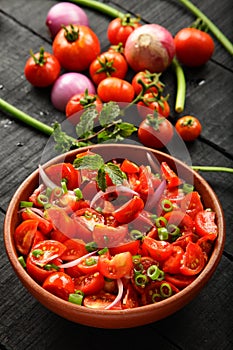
(116, 318)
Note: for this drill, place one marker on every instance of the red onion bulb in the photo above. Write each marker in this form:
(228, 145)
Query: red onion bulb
(65, 13)
(68, 85)
(150, 47)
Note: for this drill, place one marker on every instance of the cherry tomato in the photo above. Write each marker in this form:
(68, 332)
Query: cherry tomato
(129, 167)
(205, 223)
(180, 219)
(188, 127)
(108, 64)
(193, 260)
(66, 171)
(155, 132)
(79, 102)
(76, 46)
(117, 266)
(193, 46)
(147, 78)
(129, 211)
(150, 100)
(158, 250)
(24, 235)
(120, 28)
(206, 243)
(132, 247)
(75, 248)
(59, 284)
(100, 301)
(61, 221)
(179, 280)
(42, 69)
(39, 273)
(89, 284)
(88, 265)
(43, 224)
(109, 236)
(191, 204)
(45, 251)
(115, 89)
(173, 263)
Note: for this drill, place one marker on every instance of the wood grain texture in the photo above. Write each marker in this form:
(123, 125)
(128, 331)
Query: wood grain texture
(206, 323)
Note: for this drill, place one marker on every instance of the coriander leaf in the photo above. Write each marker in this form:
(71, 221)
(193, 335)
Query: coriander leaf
(90, 161)
(110, 111)
(85, 127)
(101, 178)
(114, 172)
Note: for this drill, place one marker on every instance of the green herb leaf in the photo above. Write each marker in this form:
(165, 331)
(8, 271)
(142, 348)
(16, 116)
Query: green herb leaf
(126, 129)
(91, 162)
(85, 127)
(114, 172)
(110, 111)
(101, 178)
(64, 142)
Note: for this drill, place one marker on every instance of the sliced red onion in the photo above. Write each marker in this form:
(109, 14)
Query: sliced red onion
(46, 180)
(119, 295)
(112, 189)
(77, 261)
(154, 199)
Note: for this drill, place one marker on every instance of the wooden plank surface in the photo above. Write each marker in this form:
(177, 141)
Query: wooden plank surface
(206, 323)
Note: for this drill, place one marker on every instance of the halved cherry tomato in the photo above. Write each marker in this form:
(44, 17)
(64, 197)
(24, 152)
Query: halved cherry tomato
(100, 301)
(38, 273)
(130, 299)
(61, 221)
(89, 284)
(173, 263)
(66, 171)
(117, 266)
(45, 251)
(132, 247)
(158, 250)
(205, 223)
(171, 177)
(75, 248)
(24, 235)
(109, 236)
(85, 220)
(206, 243)
(59, 284)
(180, 219)
(179, 280)
(88, 265)
(193, 260)
(129, 211)
(192, 204)
(43, 224)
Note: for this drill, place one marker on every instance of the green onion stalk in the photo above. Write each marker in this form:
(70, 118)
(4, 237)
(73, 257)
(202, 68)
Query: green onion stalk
(48, 130)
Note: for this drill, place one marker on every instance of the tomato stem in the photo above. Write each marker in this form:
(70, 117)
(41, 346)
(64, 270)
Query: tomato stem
(181, 86)
(211, 26)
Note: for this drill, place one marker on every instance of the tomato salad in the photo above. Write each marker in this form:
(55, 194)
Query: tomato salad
(113, 235)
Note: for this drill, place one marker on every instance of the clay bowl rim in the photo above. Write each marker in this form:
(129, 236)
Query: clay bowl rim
(57, 305)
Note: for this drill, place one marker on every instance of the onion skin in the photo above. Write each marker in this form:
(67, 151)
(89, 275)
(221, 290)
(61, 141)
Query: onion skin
(68, 85)
(150, 47)
(65, 13)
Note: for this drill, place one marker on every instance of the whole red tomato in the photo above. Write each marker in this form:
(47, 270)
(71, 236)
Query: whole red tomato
(188, 127)
(80, 102)
(155, 132)
(151, 100)
(115, 89)
(193, 46)
(42, 69)
(109, 63)
(120, 28)
(76, 46)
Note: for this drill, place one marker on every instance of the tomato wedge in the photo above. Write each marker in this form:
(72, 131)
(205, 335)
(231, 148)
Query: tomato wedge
(38, 273)
(75, 248)
(129, 211)
(158, 250)
(172, 179)
(180, 219)
(100, 301)
(205, 223)
(192, 204)
(24, 235)
(89, 284)
(129, 167)
(43, 224)
(109, 236)
(63, 171)
(116, 266)
(173, 263)
(193, 260)
(59, 284)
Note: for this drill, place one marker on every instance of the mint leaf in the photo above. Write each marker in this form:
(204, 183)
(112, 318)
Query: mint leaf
(63, 141)
(110, 111)
(85, 127)
(114, 172)
(91, 162)
(126, 129)
(101, 178)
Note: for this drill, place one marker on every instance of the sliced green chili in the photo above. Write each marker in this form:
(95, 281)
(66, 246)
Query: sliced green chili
(173, 230)
(138, 269)
(136, 259)
(90, 261)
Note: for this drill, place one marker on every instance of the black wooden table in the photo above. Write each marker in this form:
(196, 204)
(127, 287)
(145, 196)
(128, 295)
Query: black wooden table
(207, 322)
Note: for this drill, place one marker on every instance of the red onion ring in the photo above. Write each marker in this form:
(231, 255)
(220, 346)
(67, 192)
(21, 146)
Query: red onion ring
(119, 294)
